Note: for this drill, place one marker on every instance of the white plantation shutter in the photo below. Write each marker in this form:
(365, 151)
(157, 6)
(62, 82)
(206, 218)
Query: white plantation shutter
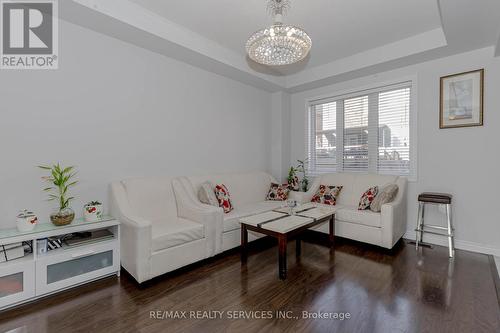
(363, 132)
(323, 137)
(394, 132)
(355, 156)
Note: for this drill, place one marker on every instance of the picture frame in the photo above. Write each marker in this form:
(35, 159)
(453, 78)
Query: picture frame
(461, 99)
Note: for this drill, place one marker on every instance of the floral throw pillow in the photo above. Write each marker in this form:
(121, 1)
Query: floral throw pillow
(278, 192)
(222, 194)
(327, 195)
(366, 198)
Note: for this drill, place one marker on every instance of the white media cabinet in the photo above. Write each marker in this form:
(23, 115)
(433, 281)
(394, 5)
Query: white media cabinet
(37, 275)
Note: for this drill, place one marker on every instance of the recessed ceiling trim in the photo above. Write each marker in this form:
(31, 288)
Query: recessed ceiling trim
(129, 21)
(403, 48)
(151, 23)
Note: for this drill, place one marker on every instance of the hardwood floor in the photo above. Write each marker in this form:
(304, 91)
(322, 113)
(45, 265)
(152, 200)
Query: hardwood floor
(383, 291)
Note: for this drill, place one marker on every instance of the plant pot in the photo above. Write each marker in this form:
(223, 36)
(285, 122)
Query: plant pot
(93, 213)
(26, 221)
(293, 184)
(62, 217)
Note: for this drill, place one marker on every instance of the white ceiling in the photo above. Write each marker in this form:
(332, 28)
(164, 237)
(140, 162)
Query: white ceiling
(351, 38)
(338, 28)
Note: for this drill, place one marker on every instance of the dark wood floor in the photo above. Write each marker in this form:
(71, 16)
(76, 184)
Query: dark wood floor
(383, 291)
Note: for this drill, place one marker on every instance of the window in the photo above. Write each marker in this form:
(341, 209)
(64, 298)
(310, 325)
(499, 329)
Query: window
(367, 131)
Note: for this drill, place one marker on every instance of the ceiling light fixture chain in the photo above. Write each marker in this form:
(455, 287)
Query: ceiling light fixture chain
(278, 7)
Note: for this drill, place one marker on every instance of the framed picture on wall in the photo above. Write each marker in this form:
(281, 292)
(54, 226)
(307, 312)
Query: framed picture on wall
(462, 100)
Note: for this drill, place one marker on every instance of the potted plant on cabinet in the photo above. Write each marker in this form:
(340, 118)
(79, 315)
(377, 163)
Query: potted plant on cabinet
(60, 180)
(26, 221)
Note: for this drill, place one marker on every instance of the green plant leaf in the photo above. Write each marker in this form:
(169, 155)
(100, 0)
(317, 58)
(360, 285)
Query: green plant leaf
(68, 169)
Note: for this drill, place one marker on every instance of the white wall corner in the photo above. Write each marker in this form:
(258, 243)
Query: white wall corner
(280, 135)
(286, 133)
(497, 48)
(497, 262)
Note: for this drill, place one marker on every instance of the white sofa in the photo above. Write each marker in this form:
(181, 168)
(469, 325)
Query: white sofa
(383, 229)
(165, 226)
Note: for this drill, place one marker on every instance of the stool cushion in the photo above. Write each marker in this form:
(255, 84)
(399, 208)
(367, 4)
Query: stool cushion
(439, 198)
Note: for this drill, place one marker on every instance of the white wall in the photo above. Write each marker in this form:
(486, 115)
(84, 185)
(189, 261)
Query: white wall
(115, 111)
(463, 161)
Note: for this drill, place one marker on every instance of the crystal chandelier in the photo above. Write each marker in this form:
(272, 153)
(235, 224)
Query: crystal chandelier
(279, 44)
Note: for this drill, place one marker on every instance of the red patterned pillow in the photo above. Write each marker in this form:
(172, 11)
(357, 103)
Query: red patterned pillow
(222, 194)
(367, 198)
(327, 195)
(278, 192)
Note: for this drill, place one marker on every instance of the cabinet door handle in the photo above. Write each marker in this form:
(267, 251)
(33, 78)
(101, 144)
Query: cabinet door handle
(79, 255)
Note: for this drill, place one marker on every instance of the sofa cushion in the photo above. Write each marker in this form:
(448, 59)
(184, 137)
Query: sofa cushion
(206, 194)
(327, 195)
(353, 215)
(367, 198)
(224, 198)
(244, 187)
(346, 180)
(363, 181)
(354, 184)
(385, 195)
(278, 192)
(174, 233)
(232, 220)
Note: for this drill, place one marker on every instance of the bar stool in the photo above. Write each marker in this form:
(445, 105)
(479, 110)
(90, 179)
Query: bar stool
(436, 199)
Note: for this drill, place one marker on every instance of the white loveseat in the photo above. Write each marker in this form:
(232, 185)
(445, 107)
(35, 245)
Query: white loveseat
(156, 238)
(383, 229)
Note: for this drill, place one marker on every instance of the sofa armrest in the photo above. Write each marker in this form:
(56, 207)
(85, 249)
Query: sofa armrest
(188, 207)
(135, 236)
(393, 216)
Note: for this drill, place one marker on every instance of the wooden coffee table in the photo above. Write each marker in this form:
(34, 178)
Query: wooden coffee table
(279, 224)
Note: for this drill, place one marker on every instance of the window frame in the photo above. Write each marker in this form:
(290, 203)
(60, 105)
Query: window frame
(339, 97)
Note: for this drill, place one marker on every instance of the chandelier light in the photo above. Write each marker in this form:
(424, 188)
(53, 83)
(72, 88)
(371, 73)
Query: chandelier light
(280, 44)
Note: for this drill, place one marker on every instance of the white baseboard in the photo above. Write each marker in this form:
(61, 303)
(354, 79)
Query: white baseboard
(459, 244)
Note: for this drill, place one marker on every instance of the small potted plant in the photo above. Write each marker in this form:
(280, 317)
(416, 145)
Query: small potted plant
(301, 167)
(26, 221)
(293, 180)
(61, 180)
(92, 211)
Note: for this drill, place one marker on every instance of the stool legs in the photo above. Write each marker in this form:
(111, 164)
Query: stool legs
(451, 245)
(420, 224)
(449, 228)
